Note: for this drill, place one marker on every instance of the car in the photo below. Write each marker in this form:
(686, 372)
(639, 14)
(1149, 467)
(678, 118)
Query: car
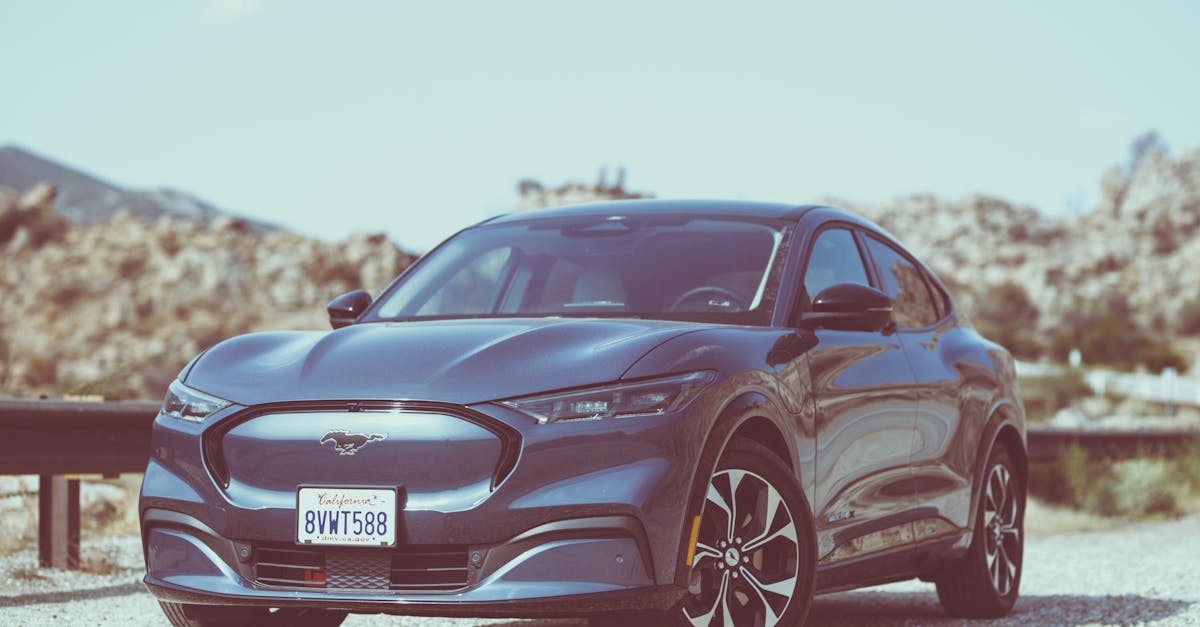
(643, 412)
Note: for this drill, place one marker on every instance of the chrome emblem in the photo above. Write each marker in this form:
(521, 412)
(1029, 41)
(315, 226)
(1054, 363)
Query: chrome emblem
(346, 443)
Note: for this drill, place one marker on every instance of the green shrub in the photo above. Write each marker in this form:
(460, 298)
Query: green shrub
(113, 386)
(1006, 316)
(1105, 335)
(1087, 481)
(1134, 488)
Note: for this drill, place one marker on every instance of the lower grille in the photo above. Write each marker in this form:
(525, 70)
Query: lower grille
(361, 570)
(429, 568)
(289, 567)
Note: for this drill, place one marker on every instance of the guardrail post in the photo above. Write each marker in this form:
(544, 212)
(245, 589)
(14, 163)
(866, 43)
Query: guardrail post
(58, 521)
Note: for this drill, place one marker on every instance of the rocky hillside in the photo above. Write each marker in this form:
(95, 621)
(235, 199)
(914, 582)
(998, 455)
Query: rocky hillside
(86, 199)
(118, 307)
(1132, 259)
(532, 194)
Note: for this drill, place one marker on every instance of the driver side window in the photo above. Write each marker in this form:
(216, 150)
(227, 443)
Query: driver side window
(472, 290)
(834, 259)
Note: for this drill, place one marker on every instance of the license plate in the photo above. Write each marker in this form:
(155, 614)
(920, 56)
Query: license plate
(346, 516)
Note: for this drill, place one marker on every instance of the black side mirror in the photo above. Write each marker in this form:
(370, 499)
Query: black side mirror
(850, 307)
(346, 308)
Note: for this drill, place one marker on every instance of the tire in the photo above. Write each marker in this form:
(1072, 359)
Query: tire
(986, 581)
(755, 560)
(182, 615)
(757, 467)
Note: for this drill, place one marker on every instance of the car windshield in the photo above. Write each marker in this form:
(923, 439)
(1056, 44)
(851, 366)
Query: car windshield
(709, 269)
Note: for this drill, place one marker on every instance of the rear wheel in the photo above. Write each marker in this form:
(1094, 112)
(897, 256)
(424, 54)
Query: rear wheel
(755, 552)
(986, 581)
(182, 615)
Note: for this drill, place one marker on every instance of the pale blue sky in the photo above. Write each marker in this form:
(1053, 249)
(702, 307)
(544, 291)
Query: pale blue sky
(419, 118)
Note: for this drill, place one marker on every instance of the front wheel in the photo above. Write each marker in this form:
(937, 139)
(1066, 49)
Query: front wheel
(986, 581)
(754, 564)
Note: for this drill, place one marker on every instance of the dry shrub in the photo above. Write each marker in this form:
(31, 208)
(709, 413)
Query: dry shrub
(67, 295)
(1134, 488)
(1143, 487)
(131, 267)
(41, 370)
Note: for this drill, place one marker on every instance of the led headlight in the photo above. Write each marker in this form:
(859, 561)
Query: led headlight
(185, 403)
(639, 398)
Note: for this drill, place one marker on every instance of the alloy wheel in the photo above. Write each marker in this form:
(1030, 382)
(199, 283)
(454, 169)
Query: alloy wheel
(1002, 534)
(747, 554)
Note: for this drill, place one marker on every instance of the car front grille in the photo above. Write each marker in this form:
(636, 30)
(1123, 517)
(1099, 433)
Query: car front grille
(429, 568)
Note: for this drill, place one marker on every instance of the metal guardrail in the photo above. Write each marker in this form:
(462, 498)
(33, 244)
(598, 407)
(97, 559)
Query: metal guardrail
(1047, 444)
(59, 440)
(72, 437)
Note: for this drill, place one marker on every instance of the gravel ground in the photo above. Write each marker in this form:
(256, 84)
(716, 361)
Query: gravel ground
(1140, 573)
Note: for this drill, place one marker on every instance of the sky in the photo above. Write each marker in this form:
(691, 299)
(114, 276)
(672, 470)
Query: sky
(419, 118)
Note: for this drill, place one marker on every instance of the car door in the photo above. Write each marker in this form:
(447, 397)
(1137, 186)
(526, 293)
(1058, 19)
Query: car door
(940, 468)
(865, 409)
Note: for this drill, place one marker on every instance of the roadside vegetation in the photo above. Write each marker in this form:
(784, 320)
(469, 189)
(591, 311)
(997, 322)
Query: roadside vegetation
(1145, 487)
(1105, 331)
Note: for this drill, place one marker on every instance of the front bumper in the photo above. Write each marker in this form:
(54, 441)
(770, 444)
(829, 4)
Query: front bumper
(591, 518)
(571, 568)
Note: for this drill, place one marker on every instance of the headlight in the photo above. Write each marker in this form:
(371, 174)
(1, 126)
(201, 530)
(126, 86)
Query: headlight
(639, 398)
(185, 403)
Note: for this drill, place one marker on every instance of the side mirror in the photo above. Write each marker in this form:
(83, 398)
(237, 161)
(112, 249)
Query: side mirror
(346, 308)
(850, 307)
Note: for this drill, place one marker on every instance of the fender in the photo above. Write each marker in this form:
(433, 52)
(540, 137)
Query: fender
(1002, 415)
(746, 406)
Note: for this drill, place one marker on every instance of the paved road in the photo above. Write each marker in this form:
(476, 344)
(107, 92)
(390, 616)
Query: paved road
(1142, 573)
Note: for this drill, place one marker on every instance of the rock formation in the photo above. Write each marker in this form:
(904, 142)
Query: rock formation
(118, 307)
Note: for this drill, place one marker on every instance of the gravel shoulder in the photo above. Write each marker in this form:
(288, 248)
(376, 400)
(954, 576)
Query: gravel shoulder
(1134, 573)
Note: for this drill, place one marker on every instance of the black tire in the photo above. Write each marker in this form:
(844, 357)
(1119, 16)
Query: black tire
(986, 582)
(182, 615)
(749, 457)
(761, 566)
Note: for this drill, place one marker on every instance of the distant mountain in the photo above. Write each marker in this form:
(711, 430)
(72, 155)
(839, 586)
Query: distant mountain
(85, 199)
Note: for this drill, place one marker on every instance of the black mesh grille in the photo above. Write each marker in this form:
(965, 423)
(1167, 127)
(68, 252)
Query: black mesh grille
(429, 568)
(362, 570)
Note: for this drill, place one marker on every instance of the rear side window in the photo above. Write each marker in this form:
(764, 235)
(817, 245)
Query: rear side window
(905, 284)
(834, 259)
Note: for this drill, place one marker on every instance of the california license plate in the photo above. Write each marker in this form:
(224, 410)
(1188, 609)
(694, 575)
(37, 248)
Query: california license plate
(346, 516)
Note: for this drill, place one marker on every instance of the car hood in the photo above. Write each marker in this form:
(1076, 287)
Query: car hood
(455, 361)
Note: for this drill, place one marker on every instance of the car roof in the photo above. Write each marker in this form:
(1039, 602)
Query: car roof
(683, 207)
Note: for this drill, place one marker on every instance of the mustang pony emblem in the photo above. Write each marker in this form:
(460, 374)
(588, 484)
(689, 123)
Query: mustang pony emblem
(348, 443)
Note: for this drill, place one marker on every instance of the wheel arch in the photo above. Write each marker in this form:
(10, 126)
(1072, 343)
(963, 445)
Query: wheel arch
(765, 432)
(753, 414)
(1005, 427)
